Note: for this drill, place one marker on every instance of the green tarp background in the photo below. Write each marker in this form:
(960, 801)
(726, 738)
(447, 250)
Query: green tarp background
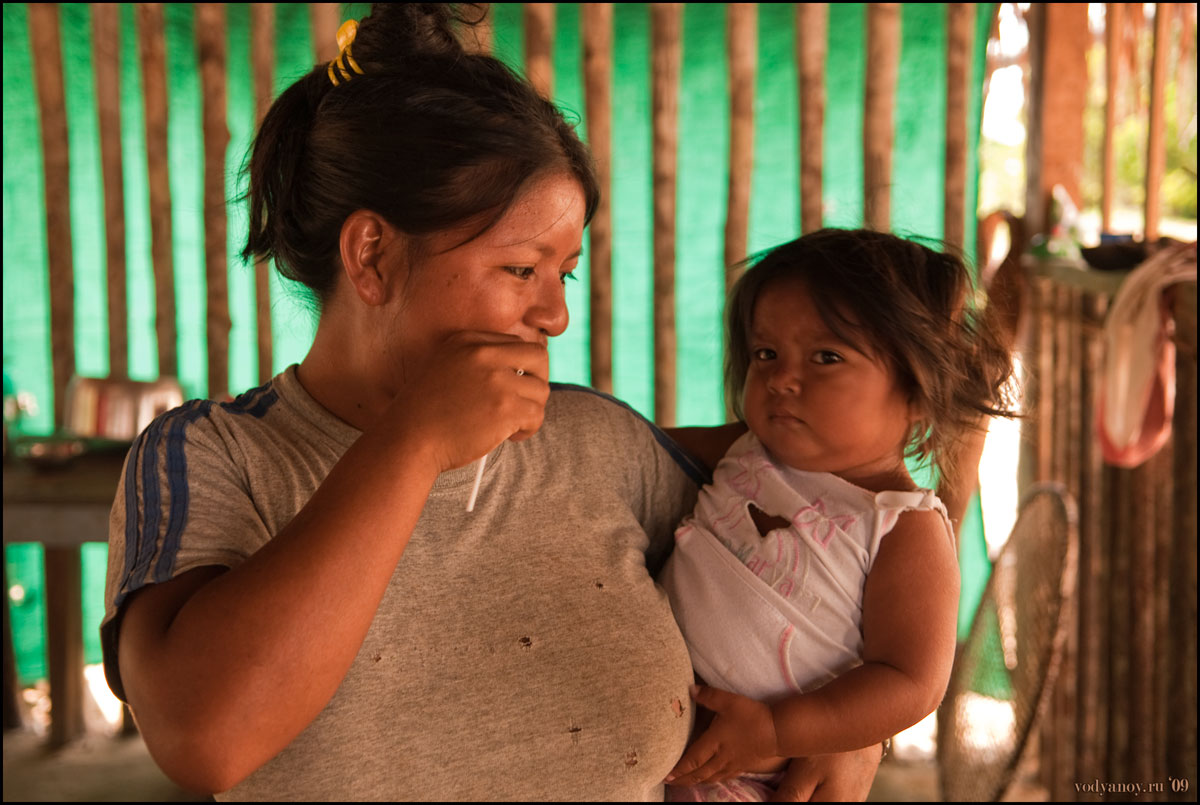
(918, 172)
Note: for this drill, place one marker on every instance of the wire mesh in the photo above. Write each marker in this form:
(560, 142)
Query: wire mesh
(1006, 668)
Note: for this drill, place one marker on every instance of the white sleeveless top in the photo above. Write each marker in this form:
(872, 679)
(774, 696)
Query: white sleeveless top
(771, 616)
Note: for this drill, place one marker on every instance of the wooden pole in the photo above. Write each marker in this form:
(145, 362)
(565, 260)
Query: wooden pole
(883, 60)
(1114, 16)
(262, 33)
(1180, 650)
(743, 53)
(1156, 148)
(210, 41)
(106, 58)
(1091, 713)
(47, 70)
(539, 46)
(665, 23)
(64, 646)
(151, 36)
(812, 23)
(596, 19)
(960, 28)
(325, 19)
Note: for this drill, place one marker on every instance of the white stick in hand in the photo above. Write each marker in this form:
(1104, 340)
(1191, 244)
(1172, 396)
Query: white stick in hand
(479, 471)
(478, 479)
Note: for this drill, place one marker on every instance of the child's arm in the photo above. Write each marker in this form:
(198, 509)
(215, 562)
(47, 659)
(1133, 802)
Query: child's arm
(910, 612)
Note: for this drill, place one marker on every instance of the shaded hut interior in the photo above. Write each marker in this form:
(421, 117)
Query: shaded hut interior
(718, 130)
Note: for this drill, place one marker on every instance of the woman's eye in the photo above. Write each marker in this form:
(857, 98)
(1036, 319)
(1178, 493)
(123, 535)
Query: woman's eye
(764, 354)
(521, 272)
(827, 356)
(567, 275)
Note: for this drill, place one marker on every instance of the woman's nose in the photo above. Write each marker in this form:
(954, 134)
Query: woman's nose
(549, 311)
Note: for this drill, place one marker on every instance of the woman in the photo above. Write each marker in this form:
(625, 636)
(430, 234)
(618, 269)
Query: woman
(299, 605)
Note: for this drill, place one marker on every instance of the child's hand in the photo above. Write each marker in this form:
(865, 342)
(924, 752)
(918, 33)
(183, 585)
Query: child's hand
(741, 738)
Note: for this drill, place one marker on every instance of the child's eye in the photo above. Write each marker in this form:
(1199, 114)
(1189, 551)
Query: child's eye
(521, 272)
(567, 275)
(763, 354)
(827, 356)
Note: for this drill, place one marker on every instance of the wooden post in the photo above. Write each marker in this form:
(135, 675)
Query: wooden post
(883, 62)
(106, 58)
(539, 46)
(960, 29)
(596, 20)
(262, 50)
(665, 22)
(1093, 644)
(64, 648)
(742, 37)
(1058, 43)
(325, 19)
(1179, 653)
(812, 23)
(151, 36)
(1114, 15)
(210, 41)
(1156, 148)
(47, 70)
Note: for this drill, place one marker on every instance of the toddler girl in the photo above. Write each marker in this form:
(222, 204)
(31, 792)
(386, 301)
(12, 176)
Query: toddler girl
(815, 583)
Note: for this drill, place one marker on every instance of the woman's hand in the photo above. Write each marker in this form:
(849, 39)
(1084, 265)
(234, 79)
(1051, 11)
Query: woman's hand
(840, 777)
(741, 738)
(471, 392)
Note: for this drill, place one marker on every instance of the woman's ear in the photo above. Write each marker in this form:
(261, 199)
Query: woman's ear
(366, 240)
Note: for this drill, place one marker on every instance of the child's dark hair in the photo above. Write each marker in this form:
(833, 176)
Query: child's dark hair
(898, 300)
(429, 136)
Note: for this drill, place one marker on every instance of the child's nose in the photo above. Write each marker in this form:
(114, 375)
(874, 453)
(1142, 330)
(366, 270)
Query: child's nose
(784, 380)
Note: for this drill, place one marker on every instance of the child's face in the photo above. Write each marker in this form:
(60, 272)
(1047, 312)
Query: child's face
(817, 403)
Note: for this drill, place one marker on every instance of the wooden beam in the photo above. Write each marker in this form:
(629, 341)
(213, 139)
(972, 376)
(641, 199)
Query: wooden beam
(539, 46)
(64, 646)
(665, 24)
(1058, 41)
(47, 71)
(151, 36)
(812, 24)
(106, 60)
(596, 19)
(1156, 148)
(883, 62)
(325, 19)
(960, 29)
(1114, 16)
(262, 50)
(742, 36)
(210, 41)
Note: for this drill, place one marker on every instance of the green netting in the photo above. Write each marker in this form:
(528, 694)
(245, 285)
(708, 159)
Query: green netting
(703, 168)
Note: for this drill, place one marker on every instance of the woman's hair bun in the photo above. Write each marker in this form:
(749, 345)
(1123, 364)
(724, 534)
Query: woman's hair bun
(394, 31)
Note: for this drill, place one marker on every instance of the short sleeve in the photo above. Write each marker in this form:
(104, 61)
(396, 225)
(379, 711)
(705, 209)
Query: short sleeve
(182, 502)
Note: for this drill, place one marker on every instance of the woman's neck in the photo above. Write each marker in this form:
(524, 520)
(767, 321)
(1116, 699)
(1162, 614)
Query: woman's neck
(344, 379)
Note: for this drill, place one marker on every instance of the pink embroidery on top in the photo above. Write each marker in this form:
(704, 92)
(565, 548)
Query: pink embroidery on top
(812, 521)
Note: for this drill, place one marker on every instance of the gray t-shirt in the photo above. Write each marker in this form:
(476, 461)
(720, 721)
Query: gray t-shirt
(521, 651)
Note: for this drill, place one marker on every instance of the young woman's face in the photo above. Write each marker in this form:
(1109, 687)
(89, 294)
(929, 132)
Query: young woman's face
(817, 403)
(508, 280)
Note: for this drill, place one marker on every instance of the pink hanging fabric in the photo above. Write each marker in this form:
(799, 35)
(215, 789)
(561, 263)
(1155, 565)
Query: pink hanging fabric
(1136, 399)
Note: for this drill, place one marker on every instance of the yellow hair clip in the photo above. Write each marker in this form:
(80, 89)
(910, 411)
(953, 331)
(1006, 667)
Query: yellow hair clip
(345, 38)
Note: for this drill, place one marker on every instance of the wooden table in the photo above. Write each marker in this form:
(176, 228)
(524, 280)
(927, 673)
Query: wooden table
(61, 508)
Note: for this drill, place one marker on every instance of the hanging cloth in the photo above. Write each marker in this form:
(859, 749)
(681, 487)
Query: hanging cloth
(1136, 397)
